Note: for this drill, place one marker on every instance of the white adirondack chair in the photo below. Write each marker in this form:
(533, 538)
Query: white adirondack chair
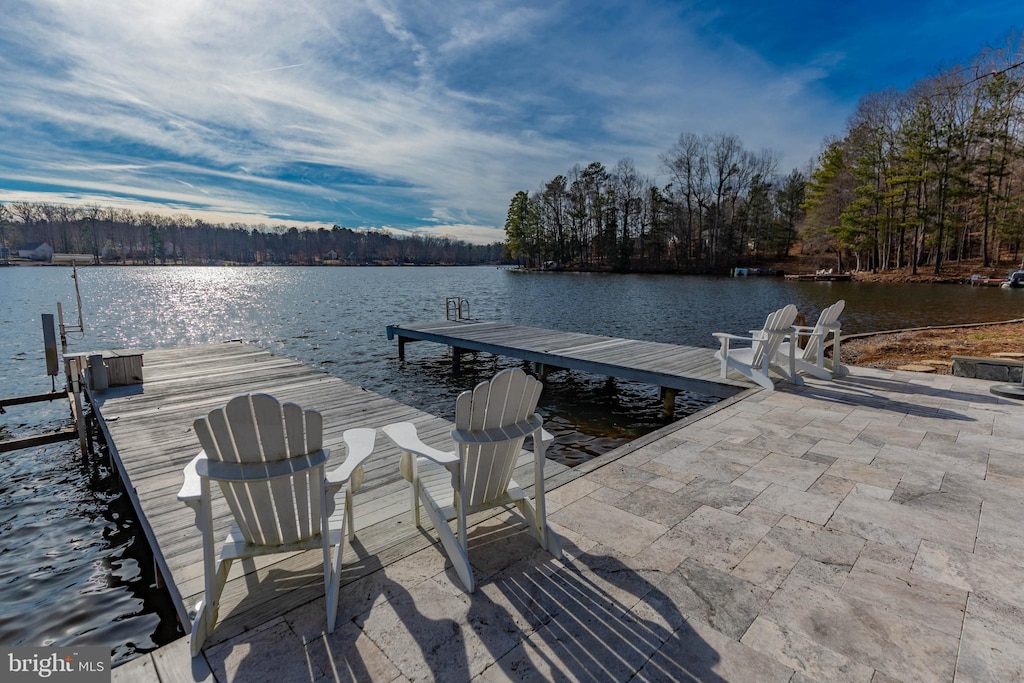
(491, 424)
(755, 360)
(811, 357)
(270, 463)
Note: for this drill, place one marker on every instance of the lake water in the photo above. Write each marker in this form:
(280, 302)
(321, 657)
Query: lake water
(73, 570)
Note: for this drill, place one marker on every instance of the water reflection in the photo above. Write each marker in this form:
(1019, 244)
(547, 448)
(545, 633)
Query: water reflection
(74, 567)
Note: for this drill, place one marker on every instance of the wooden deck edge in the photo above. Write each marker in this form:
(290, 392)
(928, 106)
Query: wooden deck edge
(161, 562)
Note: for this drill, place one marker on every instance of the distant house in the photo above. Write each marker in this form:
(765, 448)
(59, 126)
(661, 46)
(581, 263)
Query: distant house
(5, 253)
(36, 251)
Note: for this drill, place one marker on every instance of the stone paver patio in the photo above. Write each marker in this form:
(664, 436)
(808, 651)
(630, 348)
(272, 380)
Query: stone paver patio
(866, 529)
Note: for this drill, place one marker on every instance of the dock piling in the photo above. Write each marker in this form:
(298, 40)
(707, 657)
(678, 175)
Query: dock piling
(668, 402)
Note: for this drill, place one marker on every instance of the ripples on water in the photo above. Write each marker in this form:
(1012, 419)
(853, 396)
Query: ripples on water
(73, 567)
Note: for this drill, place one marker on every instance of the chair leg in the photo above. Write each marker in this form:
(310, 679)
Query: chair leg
(763, 380)
(200, 628)
(332, 580)
(350, 519)
(207, 609)
(542, 531)
(454, 547)
(414, 491)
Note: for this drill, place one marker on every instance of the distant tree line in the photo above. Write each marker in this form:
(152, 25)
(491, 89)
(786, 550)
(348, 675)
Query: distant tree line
(723, 205)
(123, 236)
(929, 175)
(920, 178)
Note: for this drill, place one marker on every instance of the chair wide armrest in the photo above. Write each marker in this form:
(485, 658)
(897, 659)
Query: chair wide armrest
(735, 337)
(359, 444)
(191, 489)
(404, 435)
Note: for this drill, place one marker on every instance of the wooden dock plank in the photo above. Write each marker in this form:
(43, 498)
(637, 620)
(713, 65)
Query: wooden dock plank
(149, 431)
(687, 368)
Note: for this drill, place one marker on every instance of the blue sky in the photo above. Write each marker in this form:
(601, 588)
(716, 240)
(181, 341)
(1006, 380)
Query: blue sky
(424, 116)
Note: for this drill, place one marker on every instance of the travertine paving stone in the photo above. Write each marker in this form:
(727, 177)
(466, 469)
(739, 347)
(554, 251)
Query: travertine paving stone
(859, 449)
(815, 542)
(835, 487)
(864, 529)
(697, 651)
(811, 507)
(766, 566)
(830, 429)
(802, 653)
(791, 472)
(657, 505)
(717, 494)
(722, 600)
(901, 525)
(992, 646)
(864, 473)
(930, 603)
(718, 538)
(864, 632)
(609, 525)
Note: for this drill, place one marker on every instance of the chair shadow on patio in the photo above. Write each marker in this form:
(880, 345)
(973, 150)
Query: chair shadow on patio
(595, 616)
(591, 618)
(876, 393)
(598, 620)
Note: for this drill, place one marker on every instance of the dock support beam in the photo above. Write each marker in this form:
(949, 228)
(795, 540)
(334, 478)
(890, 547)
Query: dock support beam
(668, 402)
(401, 348)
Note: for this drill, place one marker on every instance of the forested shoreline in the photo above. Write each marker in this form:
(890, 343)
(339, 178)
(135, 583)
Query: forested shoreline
(919, 178)
(120, 236)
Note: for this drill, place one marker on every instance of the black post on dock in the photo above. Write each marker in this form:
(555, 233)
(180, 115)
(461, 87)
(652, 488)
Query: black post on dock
(50, 348)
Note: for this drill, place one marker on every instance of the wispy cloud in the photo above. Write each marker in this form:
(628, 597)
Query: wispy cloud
(415, 116)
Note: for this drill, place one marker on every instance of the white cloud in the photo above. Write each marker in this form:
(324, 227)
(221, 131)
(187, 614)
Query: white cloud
(381, 112)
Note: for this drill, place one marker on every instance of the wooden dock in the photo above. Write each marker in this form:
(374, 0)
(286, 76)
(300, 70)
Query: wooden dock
(987, 281)
(669, 366)
(820, 277)
(148, 428)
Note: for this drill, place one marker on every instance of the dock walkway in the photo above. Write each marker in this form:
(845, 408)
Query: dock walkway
(669, 366)
(148, 428)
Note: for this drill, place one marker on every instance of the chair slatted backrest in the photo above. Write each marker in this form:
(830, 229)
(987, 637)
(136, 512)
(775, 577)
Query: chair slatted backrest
(776, 322)
(254, 429)
(508, 399)
(826, 320)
